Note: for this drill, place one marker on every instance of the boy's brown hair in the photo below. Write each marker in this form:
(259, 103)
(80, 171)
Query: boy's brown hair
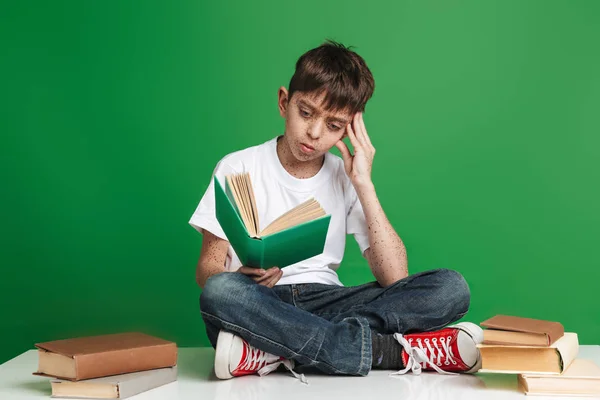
(340, 72)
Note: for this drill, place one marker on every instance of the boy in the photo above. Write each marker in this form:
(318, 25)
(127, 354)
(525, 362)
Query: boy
(302, 314)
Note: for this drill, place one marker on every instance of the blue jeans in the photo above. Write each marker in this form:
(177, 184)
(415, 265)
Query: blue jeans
(328, 327)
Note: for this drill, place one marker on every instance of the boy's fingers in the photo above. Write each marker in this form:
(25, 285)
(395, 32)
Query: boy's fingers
(362, 121)
(360, 134)
(275, 279)
(269, 274)
(346, 156)
(343, 148)
(353, 140)
(252, 271)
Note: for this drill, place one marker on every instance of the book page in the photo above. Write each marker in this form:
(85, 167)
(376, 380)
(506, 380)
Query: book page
(298, 219)
(299, 208)
(248, 200)
(304, 212)
(236, 199)
(240, 193)
(243, 193)
(253, 203)
(231, 179)
(244, 196)
(276, 224)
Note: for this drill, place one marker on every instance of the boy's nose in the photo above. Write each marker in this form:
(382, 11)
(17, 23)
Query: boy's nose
(314, 130)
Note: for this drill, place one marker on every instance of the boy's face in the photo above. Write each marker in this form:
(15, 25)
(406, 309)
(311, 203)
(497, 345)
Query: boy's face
(309, 130)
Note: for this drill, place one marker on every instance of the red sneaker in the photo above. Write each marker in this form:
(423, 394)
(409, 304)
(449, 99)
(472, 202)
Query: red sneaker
(235, 357)
(449, 350)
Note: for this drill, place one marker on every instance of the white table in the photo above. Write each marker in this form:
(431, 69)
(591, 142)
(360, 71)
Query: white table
(197, 381)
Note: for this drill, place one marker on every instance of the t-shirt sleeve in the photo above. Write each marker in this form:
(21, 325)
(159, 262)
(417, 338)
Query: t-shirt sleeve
(356, 223)
(204, 217)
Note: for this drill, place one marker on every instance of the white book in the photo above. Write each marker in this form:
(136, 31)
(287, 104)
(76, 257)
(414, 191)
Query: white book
(115, 386)
(582, 378)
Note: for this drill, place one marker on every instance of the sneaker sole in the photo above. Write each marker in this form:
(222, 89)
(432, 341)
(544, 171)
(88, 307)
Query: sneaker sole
(476, 333)
(224, 342)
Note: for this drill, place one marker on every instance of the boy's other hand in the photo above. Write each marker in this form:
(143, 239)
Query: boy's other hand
(358, 165)
(268, 277)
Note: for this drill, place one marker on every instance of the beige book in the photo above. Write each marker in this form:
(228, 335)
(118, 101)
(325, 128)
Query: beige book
(240, 186)
(582, 378)
(496, 336)
(116, 386)
(530, 359)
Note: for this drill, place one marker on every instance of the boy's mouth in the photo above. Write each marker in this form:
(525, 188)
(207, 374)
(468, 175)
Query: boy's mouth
(306, 148)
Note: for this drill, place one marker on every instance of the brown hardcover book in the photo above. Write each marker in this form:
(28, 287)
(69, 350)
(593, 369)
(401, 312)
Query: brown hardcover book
(97, 356)
(551, 360)
(582, 378)
(510, 330)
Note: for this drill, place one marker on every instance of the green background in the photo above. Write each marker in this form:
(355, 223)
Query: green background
(113, 115)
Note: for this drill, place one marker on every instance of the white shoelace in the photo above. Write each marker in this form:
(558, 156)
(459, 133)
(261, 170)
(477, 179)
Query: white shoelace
(289, 364)
(270, 363)
(418, 356)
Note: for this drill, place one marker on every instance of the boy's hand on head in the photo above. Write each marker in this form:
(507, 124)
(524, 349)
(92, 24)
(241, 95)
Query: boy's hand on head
(357, 166)
(268, 277)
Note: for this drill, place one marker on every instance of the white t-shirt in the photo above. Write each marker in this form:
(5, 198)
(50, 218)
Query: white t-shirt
(277, 191)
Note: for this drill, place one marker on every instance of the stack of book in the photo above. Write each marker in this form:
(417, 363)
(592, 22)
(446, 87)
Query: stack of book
(541, 353)
(114, 366)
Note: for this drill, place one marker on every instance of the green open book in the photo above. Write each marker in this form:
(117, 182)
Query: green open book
(296, 235)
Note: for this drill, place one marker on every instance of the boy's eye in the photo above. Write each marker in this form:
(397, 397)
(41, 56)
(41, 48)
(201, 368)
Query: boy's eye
(307, 114)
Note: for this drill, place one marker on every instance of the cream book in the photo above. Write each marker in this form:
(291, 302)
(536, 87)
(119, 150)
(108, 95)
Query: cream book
(115, 386)
(582, 378)
(551, 360)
